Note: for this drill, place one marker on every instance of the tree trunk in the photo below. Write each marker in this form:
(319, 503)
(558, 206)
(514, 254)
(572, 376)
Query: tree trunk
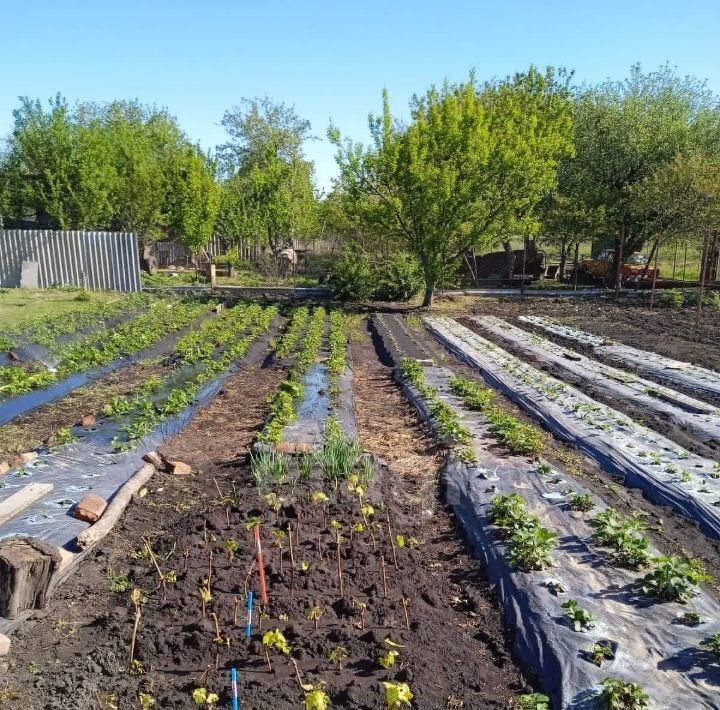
(560, 276)
(619, 258)
(427, 298)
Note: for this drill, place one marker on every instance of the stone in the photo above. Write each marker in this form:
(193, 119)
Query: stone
(179, 468)
(28, 457)
(293, 447)
(88, 420)
(155, 459)
(4, 467)
(90, 508)
(4, 645)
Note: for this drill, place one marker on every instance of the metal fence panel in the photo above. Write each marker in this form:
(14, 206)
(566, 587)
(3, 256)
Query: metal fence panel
(97, 260)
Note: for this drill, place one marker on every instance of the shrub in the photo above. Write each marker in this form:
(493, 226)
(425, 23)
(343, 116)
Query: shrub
(674, 579)
(352, 277)
(399, 279)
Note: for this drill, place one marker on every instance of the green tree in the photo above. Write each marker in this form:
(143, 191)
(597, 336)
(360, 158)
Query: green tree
(195, 199)
(624, 132)
(470, 167)
(268, 195)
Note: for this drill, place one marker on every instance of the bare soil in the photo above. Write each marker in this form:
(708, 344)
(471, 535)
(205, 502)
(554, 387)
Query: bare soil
(436, 601)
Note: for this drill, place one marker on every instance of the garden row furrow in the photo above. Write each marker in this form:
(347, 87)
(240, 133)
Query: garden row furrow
(667, 473)
(91, 357)
(693, 378)
(105, 455)
(693, 415)
(572, 576)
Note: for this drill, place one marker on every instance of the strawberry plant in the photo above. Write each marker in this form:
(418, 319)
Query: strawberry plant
(712, 645)
(673, 579)
(532, 701)
(581, 502)
(691, 618)
(618, 695)
(580, 619)
(530, 549)
(600, 653)
(397, 695)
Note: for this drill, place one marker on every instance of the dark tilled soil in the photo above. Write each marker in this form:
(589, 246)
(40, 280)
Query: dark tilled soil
(672, 333)
(672, 533)
(657, 422)
(75, 653)
(32, 430)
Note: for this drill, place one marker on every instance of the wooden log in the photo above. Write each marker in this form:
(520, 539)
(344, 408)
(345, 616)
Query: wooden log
(26, 567)
(24, 498)
(112, 513)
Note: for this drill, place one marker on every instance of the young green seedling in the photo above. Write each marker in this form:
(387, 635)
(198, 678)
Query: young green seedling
(202, 696)
(315, 614)
(391, 655)
(581, 619)
(532, 701)
(274, 640)
(397, 695)
(600, 653)
(338, 656)
(231, 547)
(280, 536)
(315, 696)
(618, 695)
(205, 595)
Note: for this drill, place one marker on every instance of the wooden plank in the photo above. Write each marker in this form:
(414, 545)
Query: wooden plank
(24, 498)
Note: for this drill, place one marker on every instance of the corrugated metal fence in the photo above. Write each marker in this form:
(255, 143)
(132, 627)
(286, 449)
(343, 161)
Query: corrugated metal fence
(44, 258)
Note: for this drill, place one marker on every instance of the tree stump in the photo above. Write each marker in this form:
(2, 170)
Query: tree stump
(26, 567)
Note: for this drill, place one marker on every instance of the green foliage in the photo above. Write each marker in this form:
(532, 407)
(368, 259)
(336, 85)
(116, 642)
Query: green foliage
(471, 165)
(580, 619)
(712, 645)
(599, 653)
(673, 579)
(397, 695)
(582, 502)
(201, 696)
(398, 279)
(530, 548)
(630, 547)
(315, 697)
(352, 276)
(292, 333)
(532, 701)
(276, 640)
(269, 468)
(618, 695)
(267, 192)
(338, 456)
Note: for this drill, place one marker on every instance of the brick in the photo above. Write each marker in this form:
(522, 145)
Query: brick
(90, 508)
(4, 645)
(179, 468)
(293, 447)
(88, 420)
(4, 467)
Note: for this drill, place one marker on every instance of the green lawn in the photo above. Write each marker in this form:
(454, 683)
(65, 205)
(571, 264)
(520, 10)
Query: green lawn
(18, 305)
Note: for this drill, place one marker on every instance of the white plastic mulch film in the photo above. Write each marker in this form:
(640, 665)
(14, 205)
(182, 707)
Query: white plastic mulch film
(667, 473)
(698, 417)
(674, 372)
(651, 646)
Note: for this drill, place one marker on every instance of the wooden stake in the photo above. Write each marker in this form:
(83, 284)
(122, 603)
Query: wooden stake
(384, 576)
(237, 603)
(339, 563)
(134, 634)
(297, 673)
(392, 542)
(407, 616)
(217, 626)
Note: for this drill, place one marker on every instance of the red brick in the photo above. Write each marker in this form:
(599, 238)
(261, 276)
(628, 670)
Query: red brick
(90, 508)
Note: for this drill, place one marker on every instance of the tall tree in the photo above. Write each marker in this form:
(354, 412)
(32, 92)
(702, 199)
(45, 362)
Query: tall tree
(470, 167)
(268, 193)
(627, 130)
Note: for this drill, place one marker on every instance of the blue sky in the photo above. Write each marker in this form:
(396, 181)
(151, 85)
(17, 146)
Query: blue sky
(330, 59)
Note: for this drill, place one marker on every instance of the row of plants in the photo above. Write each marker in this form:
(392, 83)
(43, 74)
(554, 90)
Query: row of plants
(156, 402)
(446, 421)
(292, 332)
(45, 331)
(282, 405)
(660, 457)
(516, 436)
(103, 346)
(337, 359)
(529, 547)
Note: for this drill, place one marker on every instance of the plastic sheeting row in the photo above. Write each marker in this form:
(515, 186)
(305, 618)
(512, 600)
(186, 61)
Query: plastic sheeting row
(651, 647)
(693, 378)
(699, 418)
(667, 473)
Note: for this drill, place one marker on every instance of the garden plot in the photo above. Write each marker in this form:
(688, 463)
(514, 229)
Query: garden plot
(575, 602)
(691, 377)
(698, 417)
(667, 473)
(91, 357)
(319, 383)
(104, 456)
